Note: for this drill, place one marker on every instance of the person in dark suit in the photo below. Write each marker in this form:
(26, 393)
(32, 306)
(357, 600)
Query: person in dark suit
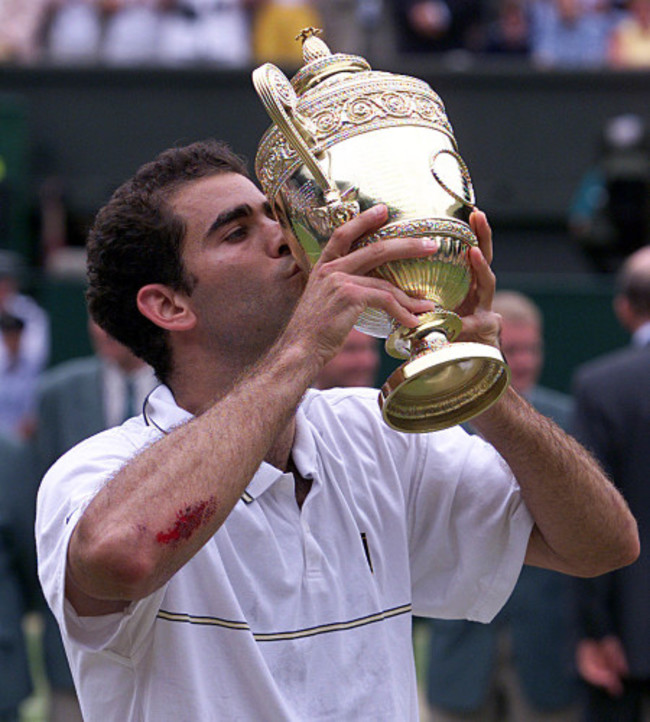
(83, 396)
(18, 586)
(77, 399)
(518, 668)
(612, 418)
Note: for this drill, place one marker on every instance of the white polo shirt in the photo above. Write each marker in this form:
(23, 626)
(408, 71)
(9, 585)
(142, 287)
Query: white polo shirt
(287, 613)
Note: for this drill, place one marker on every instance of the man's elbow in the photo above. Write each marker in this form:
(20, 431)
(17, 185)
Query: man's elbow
(630, 545)
(622, 551)
(108, 569)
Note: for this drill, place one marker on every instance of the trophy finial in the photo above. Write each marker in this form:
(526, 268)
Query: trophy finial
(313, 48)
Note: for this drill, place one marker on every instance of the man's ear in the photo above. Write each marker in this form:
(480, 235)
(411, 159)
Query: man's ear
(165, 307)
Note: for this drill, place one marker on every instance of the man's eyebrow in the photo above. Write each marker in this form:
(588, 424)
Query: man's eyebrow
(232, 214)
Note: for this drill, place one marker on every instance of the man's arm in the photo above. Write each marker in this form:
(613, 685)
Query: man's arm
(583, 526)
(165, 504)
(600, 656)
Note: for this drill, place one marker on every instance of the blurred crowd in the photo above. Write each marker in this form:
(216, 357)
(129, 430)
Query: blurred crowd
(234, 33)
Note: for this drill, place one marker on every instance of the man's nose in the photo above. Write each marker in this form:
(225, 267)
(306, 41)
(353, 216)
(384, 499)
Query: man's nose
(276, 239)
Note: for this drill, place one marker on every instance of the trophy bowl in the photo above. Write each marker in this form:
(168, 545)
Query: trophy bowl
(345, 138)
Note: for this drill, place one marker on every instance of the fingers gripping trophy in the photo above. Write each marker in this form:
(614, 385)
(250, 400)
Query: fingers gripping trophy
(344, 138)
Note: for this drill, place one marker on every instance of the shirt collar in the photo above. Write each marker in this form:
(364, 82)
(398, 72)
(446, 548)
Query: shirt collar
(641, 336)
(161, 410)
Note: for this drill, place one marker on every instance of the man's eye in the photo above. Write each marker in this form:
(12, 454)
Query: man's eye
(236, 234)
(279, 216)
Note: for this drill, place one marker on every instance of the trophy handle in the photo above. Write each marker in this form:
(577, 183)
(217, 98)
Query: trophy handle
(279, 99)
(470, 200)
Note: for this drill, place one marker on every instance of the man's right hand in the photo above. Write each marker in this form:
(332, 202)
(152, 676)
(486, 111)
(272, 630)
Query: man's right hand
(339, 288)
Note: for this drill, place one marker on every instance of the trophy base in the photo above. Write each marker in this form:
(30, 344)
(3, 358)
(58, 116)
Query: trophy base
(444, 387)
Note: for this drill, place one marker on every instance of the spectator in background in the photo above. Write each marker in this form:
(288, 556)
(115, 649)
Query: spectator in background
(80, 397)
(630, 41)
(571, 33)
(519, 667)
(77, 399)
(35, 341)
(206, 31)
(146, 32)
(18, 584)
(612, 418)
(18, 381)
(20, 24)
(522, 342)
(359, 27)
(24, 347)
(509, 33)
(430, 26)
(73, 32)
(130, 32)
(114, 32)
(356, 364)
(609, 216)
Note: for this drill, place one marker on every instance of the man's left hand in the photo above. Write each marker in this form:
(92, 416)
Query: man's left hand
(480, 323)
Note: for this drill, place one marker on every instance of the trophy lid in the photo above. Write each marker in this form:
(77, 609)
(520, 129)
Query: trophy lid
(331, 99)
(320, 63)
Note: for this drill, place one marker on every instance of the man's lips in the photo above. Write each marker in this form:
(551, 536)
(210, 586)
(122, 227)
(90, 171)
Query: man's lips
(294, 270)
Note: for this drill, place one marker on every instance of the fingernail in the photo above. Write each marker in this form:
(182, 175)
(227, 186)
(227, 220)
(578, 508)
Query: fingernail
(429, 244)
(379, 210)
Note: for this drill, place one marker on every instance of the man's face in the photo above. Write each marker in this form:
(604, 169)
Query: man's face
(8, 287)
(356, 364)
(246, 280)
(523, 348)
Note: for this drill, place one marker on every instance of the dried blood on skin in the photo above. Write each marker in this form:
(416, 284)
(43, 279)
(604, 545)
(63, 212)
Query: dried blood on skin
(187, 522)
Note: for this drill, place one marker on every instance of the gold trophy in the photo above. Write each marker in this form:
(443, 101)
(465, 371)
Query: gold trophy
(345, 138)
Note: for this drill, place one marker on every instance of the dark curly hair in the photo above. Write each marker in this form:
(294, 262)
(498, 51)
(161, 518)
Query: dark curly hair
(136, 239)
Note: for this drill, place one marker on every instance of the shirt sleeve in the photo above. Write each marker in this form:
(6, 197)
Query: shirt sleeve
(469, 529)
(65, 492)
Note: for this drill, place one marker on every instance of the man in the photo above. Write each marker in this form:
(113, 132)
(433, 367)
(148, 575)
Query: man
(35, 339)
(433, 26)
(18, 588)
(18, 382)
(356, 364)
(24, 349)
(522, 342)
(612, 418)
(83, 396)
(252, 548)
(518, 667)
(77, 399)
